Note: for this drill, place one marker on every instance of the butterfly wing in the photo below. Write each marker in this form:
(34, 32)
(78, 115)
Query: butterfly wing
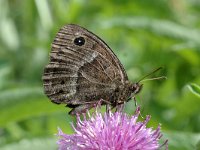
(82, 68)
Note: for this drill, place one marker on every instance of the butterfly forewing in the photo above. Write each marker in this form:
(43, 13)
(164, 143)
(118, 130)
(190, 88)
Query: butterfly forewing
(82, 68)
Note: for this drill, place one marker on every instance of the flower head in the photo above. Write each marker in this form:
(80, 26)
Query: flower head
(111, 131)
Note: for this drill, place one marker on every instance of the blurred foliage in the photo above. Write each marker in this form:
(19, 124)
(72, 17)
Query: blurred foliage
(144, 35)
(195, 89)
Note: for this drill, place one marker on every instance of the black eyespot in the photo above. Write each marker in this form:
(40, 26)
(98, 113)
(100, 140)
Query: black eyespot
(79, 41)
(61, 91)
(62, 82)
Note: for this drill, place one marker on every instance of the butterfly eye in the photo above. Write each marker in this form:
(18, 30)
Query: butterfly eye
(79, 41)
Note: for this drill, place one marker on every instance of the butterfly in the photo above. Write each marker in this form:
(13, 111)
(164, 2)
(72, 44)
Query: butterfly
(83, 70)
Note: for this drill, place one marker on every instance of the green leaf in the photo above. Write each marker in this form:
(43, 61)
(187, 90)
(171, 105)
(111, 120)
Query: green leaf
(18, 94)
(182, 140)
(157, 26)
(32, 144)
(195, 89)
(26, 109)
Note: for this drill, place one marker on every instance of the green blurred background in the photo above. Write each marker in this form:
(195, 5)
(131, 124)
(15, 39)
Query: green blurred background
(144, 34)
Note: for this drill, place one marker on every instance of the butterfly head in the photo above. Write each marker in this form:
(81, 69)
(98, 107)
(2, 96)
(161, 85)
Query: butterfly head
(136, 87)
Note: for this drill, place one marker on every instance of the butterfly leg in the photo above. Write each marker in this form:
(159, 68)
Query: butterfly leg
(120, 107)
(108, 108)
(82, 108)
(78, 109)
(135, 101)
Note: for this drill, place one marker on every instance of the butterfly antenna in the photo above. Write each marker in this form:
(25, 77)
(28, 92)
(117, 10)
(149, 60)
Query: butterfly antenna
(157, 69)
(157, 78)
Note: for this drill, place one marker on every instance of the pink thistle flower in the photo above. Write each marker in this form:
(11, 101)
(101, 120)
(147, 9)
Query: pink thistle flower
(111, 131)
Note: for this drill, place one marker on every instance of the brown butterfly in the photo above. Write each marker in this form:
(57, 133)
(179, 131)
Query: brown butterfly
(83, 70)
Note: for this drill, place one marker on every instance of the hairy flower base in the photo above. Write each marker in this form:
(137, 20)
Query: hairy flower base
(111, 131)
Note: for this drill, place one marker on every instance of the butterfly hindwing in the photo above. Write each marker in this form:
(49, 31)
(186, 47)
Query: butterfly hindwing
(82, 68)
